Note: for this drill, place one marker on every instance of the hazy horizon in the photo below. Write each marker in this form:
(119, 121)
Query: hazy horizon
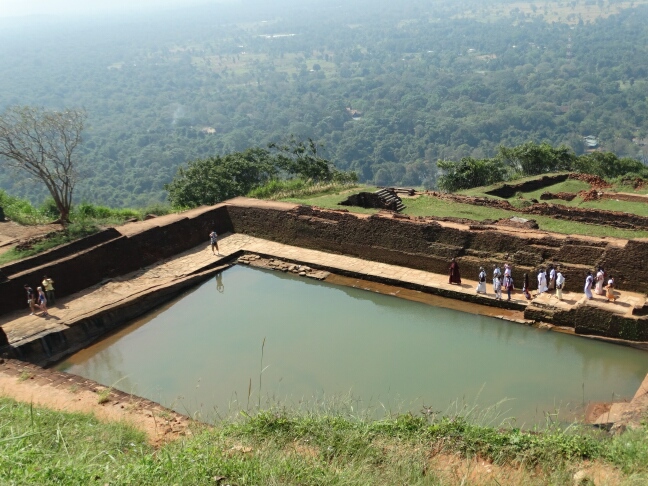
(77, 8)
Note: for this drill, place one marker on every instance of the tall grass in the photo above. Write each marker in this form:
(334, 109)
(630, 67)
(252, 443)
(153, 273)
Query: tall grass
(24, 212)
(281, 446)
(86, 220)
(291, 188)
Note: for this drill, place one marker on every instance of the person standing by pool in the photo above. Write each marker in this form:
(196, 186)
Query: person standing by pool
(525, 286)
(560, 283)
(497, 287)
(213, 236)
(455, 277)
(610, 290)
(481, 281)
(600, 281)
(542, 281)
(48, 285)
(42, 301)
(508, 284)
(507, 270)
(497, 274)
(31, 300)
(552, 278)
(589, 280)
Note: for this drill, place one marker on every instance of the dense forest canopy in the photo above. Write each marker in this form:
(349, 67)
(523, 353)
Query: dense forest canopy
(389, 88)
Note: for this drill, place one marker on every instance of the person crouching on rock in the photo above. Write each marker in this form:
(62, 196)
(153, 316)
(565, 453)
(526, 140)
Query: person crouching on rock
(42, 301)
(455, 277)
(481, 281)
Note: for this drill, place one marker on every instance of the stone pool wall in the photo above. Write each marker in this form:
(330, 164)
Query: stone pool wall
(409, 242)
(116, 257)
(429, 245)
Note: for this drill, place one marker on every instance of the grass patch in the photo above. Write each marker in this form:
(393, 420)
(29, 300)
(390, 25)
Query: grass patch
(481, 191)
(425, 206)
(430, 206)
(39, 446)
(570, 185)
(102, 396)
(298, 188)
(87, 219)
(332, 198)
(73, 232)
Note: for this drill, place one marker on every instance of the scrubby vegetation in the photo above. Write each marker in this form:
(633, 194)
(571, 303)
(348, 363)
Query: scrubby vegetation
(295, 167)
(22, 211)
(389, 90)
(86, 220)
(40, 446)
(531, 159)
(294, 188)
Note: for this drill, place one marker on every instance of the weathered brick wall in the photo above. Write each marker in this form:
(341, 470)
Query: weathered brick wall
(116, 257)
(429, 246)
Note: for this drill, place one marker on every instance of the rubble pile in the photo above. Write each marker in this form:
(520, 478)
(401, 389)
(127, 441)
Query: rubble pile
(276, 264)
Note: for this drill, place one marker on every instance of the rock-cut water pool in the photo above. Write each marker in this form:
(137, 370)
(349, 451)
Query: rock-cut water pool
(203, 352)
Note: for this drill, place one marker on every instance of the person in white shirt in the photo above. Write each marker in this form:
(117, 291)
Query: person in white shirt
(542, 281)
(497, 286)
(589, 280)
(560, 284)
(497, 274)
(481, 281)
(600, 281)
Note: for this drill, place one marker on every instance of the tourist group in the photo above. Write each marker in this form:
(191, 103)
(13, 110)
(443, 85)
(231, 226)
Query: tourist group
(45, 295)
(549, 279)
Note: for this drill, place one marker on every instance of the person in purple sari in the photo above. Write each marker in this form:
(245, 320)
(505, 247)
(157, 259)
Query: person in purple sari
(455, 277)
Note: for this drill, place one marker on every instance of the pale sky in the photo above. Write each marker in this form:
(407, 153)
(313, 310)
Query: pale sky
(67, 8)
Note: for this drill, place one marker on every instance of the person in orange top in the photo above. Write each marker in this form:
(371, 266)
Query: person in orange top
(610, 290)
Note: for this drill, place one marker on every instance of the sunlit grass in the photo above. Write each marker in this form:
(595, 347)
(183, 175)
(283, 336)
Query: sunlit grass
(316, 446)
(431, 206)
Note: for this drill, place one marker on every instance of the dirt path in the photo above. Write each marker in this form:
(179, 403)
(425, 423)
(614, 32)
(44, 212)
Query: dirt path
(12, 233)
(56, 390)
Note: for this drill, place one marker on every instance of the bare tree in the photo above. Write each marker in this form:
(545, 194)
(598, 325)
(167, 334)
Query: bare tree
(42, 143)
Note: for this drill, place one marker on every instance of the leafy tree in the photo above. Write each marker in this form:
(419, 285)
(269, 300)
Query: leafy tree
(302, 159)
(532, 159)
(469, 172)
(215, 179)
(42, 143)
(212, 180)
(608, 165)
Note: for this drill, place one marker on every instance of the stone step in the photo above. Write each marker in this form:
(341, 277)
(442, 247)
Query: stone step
(616, 413)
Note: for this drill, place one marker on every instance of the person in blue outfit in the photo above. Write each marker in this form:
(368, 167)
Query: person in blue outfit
(213, 236)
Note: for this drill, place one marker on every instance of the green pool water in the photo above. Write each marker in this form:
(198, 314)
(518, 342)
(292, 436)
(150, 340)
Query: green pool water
(202, 353)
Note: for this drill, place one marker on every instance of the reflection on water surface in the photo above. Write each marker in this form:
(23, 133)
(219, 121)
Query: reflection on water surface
(202, 351)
